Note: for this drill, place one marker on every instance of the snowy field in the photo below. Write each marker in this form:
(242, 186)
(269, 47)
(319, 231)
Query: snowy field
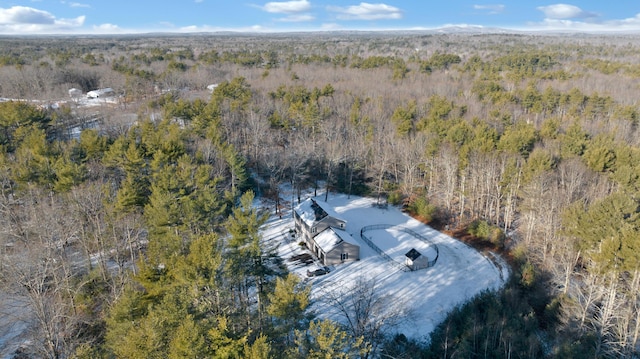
(425, 296)
(396, 243)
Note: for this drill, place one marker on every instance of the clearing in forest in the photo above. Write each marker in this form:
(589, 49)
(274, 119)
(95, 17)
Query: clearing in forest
(418, 300)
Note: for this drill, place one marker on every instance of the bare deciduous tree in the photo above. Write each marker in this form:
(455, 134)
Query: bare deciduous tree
(367, 312)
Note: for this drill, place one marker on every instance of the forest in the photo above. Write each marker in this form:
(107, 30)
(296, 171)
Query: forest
(128, 228)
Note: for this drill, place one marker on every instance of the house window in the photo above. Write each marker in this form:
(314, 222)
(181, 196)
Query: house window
(344, 256)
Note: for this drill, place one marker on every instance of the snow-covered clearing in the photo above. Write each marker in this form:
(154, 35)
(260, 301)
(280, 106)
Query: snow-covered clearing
(426, 295)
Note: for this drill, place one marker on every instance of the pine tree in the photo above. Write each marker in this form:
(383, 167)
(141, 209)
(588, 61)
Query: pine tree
(607, 231)
(326, 340)
(246, 262)
(288, 304)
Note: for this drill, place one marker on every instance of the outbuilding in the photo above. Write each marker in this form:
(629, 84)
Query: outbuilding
(415, 260)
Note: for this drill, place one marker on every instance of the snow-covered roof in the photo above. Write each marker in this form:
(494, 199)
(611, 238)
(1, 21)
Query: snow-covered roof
(311, 211)
(346, 237)
(306, 213)
(331, 237)
(101, 92)
(327, 240)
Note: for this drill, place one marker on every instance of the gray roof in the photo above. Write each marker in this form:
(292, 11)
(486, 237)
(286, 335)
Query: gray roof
(413, 254)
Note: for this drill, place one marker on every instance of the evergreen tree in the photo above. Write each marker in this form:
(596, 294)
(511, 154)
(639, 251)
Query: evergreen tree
(607, 231)
(247, 261)
(326, 340)
(287, 305)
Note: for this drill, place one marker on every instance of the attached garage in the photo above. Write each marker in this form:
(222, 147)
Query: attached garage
(335, 246)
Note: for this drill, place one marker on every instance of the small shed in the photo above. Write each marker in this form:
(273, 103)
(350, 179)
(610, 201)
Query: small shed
(415, 260)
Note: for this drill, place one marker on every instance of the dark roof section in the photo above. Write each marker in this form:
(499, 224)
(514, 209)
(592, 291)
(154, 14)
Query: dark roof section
(318, 211)
(413, 254)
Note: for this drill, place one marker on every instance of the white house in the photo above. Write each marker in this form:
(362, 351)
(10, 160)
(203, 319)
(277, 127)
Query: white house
(323, 232)
(101, 93)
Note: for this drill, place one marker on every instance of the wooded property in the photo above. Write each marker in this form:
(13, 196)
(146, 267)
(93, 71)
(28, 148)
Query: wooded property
(130, 227)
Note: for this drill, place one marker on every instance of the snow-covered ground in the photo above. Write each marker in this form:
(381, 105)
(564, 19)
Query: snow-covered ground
(15, 318)
(426, 295)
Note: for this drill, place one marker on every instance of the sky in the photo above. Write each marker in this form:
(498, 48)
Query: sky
(30, 17)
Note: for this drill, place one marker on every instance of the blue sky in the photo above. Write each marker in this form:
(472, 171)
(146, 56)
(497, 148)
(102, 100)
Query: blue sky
(135, 16)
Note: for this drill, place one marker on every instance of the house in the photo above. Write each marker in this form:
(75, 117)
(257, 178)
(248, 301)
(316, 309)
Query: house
(323, 232)
(415, 260)
(101, 93)
(313, 217)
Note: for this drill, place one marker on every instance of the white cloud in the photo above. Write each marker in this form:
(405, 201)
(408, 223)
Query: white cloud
(208, 28)
(565, 11)
(287, 7)
(632, 22)
(25, 15)
(628, 24)
(107, 29)
(572, 18)
(492, 9)
(297, 18)
(366, 11)
(77, 4)
(330, 26)
(27, 20)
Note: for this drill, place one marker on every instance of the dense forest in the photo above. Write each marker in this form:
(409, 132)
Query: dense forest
(138, 236)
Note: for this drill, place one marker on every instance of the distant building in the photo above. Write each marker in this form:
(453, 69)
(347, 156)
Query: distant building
(212, 87)
(75, 93)
(415, 260)
(101, 93)
(323, 232)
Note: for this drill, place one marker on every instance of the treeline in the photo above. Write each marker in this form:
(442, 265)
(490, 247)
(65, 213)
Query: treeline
(147, 245)
(519, 143)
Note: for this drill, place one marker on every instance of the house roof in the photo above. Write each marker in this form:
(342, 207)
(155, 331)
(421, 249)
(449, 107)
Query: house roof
(306, 212)
(413, 254)
(100, 92)
(311, 211)
(346, 237)
(330, 238)
(328, 209)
